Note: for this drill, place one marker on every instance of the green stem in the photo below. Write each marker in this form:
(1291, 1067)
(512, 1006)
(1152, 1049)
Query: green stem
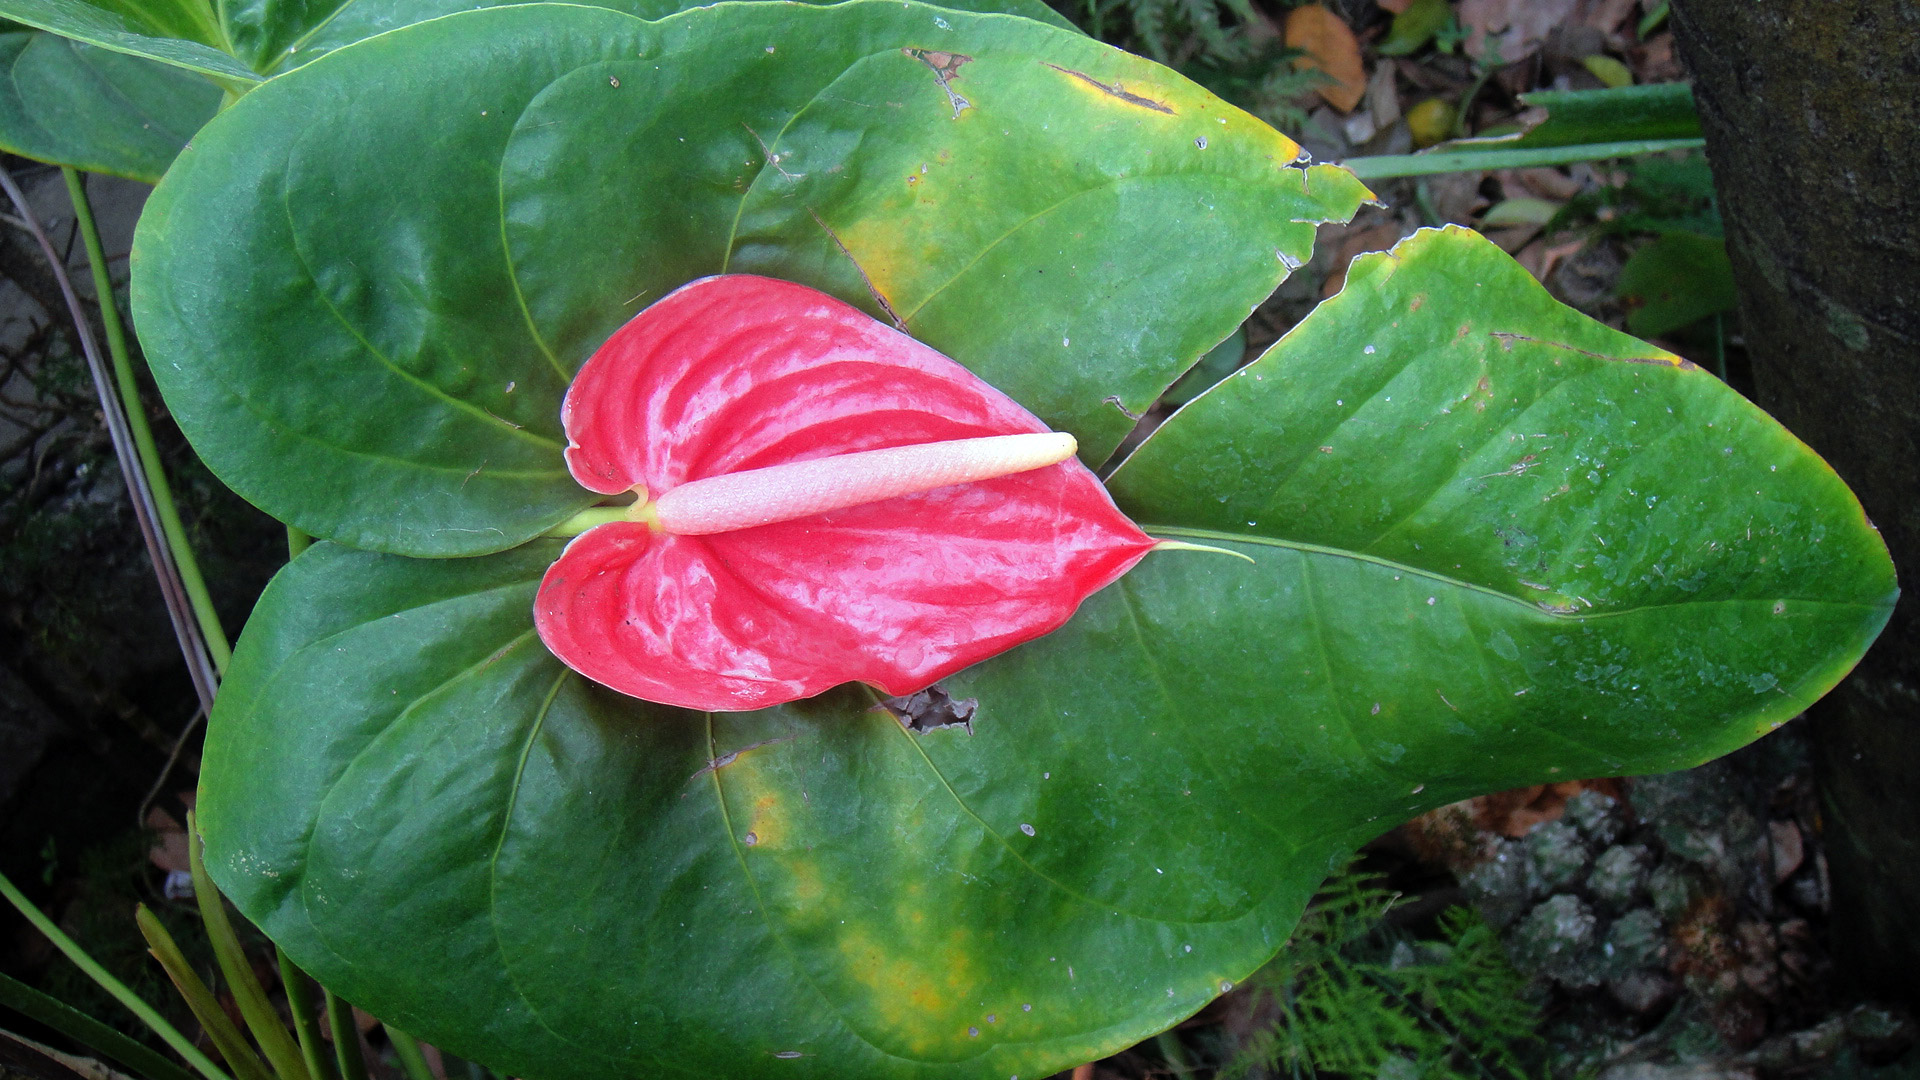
(346, 1038)
(1387, 166)
(301, 1004)
(190, 577)
(407, 1049)
(297, 542)
(220, 1030)
(87, 1031)
(279, 1046)
(111, 985)
(588, 518)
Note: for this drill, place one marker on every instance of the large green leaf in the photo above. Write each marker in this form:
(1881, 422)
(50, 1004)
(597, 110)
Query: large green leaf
(183, 33)
(69, 103)
(277, 35)
(371, 342)
(1494, 544)
(245, 40)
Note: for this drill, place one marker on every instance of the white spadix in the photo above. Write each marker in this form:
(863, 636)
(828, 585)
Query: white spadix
(798, 489)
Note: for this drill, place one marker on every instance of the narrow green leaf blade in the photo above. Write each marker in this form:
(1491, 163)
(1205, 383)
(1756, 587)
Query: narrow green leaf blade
(1616, 114)
(67, 103)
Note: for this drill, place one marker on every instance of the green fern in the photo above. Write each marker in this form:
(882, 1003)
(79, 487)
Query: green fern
(1355, 997)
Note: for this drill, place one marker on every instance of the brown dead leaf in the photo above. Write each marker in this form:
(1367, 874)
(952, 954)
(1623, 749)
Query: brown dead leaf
(1653, 60)
(1513, 29)
(1548, 183)
(1606, 15)
(1330, 46)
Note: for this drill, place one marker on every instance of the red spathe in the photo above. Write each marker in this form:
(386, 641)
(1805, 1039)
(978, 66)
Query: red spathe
(740, 372)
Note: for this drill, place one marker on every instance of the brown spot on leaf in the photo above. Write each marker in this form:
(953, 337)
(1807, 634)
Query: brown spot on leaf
(1115, 90)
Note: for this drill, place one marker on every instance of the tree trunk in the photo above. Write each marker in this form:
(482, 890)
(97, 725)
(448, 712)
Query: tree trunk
(1812, 120)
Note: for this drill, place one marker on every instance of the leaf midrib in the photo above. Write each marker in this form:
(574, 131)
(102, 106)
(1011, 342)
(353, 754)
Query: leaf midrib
(1528, 605)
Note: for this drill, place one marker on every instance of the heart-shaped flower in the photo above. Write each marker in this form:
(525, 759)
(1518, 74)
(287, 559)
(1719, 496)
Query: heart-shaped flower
(769, 554)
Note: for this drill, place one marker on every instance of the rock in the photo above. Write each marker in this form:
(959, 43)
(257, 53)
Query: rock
(1619, 876)
(1643, 992)
(1498, 886)
(1635, 940)
(1881, 1032)
(1557, 940)
(1560, 856)
(1675, 889)
(1598, 815)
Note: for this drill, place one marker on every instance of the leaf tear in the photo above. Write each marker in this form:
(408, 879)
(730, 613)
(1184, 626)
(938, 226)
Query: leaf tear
(946, 68)
(932, 709)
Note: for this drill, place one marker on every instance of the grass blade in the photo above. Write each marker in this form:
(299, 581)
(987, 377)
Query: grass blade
(226, 1038)
(111, 985)
(1391, 165)
(88, 1032)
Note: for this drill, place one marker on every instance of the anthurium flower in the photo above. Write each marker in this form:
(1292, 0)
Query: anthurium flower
(818, 499)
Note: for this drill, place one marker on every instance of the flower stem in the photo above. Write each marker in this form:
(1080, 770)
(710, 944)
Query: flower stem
(149, 452)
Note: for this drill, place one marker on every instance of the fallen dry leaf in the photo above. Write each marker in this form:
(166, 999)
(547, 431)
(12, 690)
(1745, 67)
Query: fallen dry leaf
(1330, 46)
(1606, 15)
(1512, 29)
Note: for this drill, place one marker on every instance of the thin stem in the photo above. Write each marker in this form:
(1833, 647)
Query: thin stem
(589, 518)
(407, 1049)
(189, 568)
(87, 1031)
(1386, 166)
(301, 1003)
(297, 542)
(206, 1008)
(346, 1038)
(193, 648)
(147, 1014)
(279, 1047)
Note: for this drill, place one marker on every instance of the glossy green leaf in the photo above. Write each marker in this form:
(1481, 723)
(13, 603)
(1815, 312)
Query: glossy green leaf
(245, 40)
(371, 343)
(183, 33)
(68, 103)
(278, 35)
(1674, 280)
(1494, 543)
